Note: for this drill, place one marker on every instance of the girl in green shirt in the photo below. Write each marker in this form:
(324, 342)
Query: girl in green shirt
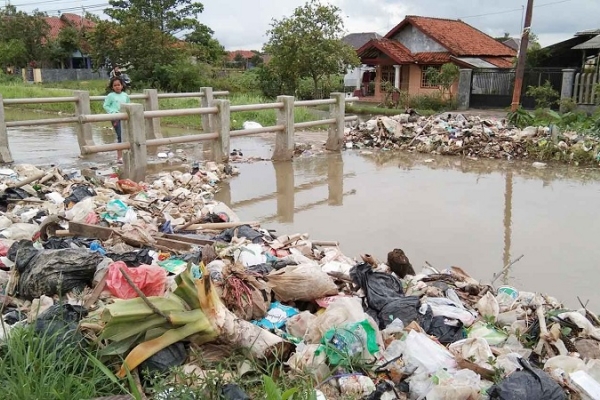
(112, 105)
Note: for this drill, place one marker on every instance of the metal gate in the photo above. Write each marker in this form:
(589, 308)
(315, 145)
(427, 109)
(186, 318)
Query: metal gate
(493, 88)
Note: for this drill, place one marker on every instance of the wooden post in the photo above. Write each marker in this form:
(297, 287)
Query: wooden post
(205, 101)
(5, 156)
(284, 141)
(82, 107)
(134, 159)
(222, 125)
(152, 124)
(336, 130)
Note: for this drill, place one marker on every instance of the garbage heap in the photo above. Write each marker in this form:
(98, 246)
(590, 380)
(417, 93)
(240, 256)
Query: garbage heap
(162, 276)
(472, 136)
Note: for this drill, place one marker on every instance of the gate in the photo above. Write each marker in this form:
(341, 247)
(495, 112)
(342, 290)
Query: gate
(493, 88)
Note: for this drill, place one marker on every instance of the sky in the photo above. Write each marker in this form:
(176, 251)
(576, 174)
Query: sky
(242, 24)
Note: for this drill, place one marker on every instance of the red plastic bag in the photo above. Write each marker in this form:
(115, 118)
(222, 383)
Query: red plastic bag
(128, 186)
(3, 250)
(151, 279)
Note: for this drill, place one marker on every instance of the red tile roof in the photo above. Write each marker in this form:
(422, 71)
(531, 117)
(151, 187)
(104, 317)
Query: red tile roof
(392, 48)
(460, 38)
(501, 62)
(57, 24)
(247, 54)
(432, 58)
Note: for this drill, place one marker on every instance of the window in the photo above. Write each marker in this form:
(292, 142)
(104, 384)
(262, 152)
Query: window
(388, 73)
(425, 79)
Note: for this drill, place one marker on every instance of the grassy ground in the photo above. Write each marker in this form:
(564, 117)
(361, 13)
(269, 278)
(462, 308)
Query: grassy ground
(368, 108)
(65, 89)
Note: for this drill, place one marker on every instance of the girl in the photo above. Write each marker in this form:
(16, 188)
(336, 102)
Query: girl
(112, 105)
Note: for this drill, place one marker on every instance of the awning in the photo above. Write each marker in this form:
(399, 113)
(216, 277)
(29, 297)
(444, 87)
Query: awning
(593, 43)
(474, 62)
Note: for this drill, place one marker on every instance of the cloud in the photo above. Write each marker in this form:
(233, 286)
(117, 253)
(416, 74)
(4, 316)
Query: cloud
(242, 24)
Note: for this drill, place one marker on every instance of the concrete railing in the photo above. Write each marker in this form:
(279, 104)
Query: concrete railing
(142, 125)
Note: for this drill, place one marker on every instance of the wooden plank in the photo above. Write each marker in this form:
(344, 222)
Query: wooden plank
(90, 231)
(219, 225)
(187, 239)
(174, 244)
(97, 291)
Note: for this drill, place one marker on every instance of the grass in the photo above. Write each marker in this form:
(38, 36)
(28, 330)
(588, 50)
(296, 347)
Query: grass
(65, 89)
(34, 366)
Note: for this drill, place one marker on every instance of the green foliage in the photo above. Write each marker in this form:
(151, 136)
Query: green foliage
(204, 46)
(238, 82)
(434, 101)
(184, 76)
(545, 96)
(35, 366)
(272, 83)
(167, 16)
(325, 86)
(520, 118)
(22, 36)
(443, 77)
(308, 45)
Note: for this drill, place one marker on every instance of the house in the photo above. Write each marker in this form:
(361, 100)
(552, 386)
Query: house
(242, 58)
(358, 40)
(404, 54)
(571, 53)
(78, 60)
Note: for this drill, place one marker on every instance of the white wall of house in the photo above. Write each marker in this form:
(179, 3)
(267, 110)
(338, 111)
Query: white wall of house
(353, 77)
(416, 41)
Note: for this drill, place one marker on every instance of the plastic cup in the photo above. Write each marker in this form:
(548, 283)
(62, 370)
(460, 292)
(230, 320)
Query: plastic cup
(510, 291)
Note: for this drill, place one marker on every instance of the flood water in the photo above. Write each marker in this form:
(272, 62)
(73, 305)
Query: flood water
(478, 215)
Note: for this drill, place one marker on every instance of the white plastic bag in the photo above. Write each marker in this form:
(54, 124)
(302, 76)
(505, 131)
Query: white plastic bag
(297, 325)
(80, 211)
(341, 311)
(476, 350)
(447, 308)
(250, 255)
(488, 306)
(462, 385)
(427, 355)
(310, 359)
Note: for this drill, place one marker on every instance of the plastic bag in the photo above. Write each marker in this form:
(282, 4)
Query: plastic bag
(426, 355)
(489, 332)
(52, 272)
(527, 384)
(405, 309)
(117, 210)
(449, 309)
(132, 258)
(310, 359)
(173, 265)
(462, 385)
(379, 287)
(276, 317)
(150, 279)
(231, 391)
(167, 358)
(347, 341)
(20, 231)
(61, 322)
(488, 306)
(476, 350)
(128, 186)
(249, 255)
(301, 282)
(80, 212)
(446, 330)
(342, 311)
(297, 325)
(242, 231)
(79, 193)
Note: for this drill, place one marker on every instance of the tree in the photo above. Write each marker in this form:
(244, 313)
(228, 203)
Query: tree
(205, 47)
(23, 36)
(443, 77)
(502, 39)
(168, 16)
(308, 44)
(257, 59)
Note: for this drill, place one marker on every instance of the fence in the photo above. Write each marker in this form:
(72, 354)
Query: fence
(584, 89)
(142, 124)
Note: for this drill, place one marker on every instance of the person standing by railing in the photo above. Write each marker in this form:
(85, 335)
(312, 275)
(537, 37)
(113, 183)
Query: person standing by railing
(112, 105)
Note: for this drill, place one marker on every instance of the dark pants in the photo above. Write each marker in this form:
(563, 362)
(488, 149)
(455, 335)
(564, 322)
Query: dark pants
(117, 126)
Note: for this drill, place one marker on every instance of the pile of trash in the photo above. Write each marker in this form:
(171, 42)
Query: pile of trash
(472, 136)
(160, 275)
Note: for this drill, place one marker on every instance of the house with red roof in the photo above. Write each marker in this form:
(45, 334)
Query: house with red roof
(78, 59)
(404, 54)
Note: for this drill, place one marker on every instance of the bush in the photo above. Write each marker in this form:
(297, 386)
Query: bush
(5, 78)
(237, 82)
(545, 96)
(182, 76)
(435, 101)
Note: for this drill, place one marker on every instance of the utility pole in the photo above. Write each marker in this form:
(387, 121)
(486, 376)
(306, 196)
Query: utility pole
(516, 100)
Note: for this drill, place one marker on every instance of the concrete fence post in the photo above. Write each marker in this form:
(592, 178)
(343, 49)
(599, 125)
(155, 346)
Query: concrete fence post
(134, 159)
(205, 101)
(5, 156)
(568, 82)
(82, 107)
(463, 97)
(151, 104)
(222, 125)
(284, 140)
(336, 130)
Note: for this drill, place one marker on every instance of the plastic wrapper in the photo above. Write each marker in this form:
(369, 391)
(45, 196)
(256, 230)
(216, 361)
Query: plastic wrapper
(150, 279)
(297, 325)
(301, 282)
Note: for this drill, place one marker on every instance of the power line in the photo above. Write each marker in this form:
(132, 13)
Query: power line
(515, 9)
(35, 3)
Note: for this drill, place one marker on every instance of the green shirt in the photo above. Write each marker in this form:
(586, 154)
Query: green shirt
(112, 103)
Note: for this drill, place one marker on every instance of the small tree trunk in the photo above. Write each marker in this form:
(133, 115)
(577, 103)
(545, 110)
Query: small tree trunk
(316, 87)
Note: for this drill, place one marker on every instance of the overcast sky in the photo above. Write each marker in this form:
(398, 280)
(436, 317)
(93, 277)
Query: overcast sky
(242, 24)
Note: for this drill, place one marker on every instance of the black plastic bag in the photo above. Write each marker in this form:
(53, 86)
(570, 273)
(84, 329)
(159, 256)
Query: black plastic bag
(51, 272)
(231, 391)
(261, 269)
(78, 193)
(404, 308)
(21, 253)
(66, 243)
(61, 323)
(527, 384)
(169, 357)
(244, 231)
(133, 258)
(382, 388)
(380, 288)
(446, 330)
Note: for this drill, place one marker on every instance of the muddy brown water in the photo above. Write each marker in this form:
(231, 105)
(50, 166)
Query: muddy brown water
(476, 214)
